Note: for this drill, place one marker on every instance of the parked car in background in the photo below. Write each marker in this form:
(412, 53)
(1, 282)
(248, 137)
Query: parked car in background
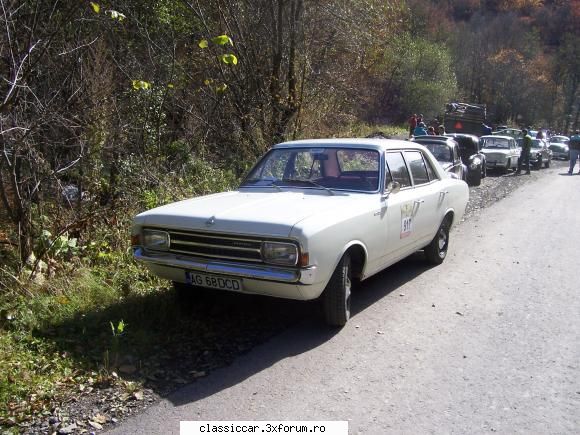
(471, 156)
(501, 152)
(540, 154)
(446, 151)
(559, 147)
(560, 139)
(310, 218)
(512, 132)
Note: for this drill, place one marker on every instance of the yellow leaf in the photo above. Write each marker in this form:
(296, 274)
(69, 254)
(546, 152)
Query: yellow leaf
(170, 85)
(96, 7)
(203, 43)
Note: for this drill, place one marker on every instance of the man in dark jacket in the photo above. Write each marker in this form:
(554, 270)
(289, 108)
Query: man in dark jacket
(574, 150)
(525, 154)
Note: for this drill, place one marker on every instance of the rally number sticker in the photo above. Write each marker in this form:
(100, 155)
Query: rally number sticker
(406, 220)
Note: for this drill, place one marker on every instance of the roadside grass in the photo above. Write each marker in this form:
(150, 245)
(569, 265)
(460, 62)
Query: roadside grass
(97, 319)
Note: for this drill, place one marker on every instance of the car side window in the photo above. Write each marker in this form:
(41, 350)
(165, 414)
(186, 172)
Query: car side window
(417, 167)
(430, 171)
(398, 168)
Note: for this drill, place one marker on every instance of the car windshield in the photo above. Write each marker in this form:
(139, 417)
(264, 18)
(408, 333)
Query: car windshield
(559, 139)
(536, 143)
(354, 169)
(440, 151)
(495, 142)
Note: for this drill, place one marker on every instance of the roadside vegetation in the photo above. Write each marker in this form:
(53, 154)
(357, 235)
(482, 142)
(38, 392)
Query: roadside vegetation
(111, 108)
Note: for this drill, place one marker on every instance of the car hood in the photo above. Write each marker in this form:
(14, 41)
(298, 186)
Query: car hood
(271, 213)
(445, 165)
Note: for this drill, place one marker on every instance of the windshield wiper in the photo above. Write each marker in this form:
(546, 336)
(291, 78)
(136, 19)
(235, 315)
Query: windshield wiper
(256, 180)
(310, 182)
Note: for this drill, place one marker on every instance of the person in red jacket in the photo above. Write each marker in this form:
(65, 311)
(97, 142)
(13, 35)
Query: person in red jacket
(412, 124)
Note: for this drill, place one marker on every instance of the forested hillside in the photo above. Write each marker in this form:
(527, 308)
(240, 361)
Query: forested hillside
(108, 108)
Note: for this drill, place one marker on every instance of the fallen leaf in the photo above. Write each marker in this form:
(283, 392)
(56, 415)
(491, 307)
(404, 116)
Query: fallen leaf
(100, 418)
(95, 425)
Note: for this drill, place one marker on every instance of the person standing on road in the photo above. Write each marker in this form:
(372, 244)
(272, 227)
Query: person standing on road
(525, 154)
(420, 130)
(412, 124)
(574, 146)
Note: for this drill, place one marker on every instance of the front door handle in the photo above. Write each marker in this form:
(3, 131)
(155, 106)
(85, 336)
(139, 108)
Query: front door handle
(416, 205)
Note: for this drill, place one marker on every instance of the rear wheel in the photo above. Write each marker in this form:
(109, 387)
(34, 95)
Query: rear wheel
(336, 295)
(436, 251)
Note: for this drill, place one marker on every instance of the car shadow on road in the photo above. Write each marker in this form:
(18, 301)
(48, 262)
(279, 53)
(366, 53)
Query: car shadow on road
(308, 334)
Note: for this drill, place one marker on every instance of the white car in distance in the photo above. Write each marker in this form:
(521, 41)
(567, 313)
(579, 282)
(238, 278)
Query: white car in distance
(501, 152)
(311, 217)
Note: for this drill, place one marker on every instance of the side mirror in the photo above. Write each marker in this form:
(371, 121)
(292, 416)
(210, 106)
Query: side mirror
(392, 188)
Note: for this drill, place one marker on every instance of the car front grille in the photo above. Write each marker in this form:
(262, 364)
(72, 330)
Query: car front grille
(215, 245)
(495, 157)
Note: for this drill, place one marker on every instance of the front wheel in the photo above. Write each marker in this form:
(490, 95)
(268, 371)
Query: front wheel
(547, 164)
(507, 167)
(436, 251)
(336, 295)
(474, 178)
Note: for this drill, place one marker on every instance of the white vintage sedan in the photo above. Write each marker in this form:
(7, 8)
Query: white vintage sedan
(501, 152)
(310, 218)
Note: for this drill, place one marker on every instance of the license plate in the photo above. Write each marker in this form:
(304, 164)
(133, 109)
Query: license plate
(213, 281)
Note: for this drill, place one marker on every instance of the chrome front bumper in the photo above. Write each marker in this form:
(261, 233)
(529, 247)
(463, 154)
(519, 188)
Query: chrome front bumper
(303, 276)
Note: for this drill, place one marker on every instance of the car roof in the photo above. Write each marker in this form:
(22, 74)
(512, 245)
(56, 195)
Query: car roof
(460, 135)
(496, 136)
(433, 139)
(368, 143)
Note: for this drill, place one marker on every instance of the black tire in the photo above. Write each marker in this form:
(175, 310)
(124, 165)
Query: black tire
(436, 251)
(474, 179)
(547, 164)
(484, 170)
(538, 165)
(507, 168)
(336, 295)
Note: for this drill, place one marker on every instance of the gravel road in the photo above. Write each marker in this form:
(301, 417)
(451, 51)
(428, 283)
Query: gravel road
(487, 342)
